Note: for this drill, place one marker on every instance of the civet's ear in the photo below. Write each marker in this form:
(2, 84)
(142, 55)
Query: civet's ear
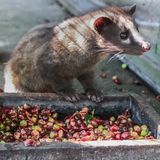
(129, 9)
(101, 23)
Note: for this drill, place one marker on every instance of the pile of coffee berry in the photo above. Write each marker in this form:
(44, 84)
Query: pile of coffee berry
(32, 126)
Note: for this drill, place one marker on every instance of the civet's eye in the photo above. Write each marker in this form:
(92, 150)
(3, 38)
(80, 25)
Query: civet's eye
(123, 35)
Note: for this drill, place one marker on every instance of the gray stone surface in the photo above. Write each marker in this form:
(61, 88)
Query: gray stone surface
(18, 16)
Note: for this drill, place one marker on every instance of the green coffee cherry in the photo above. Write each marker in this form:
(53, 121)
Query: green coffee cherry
(143, 133)
(23, 123)
(105, 132)
(124, 66)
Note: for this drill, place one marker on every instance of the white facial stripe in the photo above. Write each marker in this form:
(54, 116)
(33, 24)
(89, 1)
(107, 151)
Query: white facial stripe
(127, 41)
(129, 25)
(136, 36)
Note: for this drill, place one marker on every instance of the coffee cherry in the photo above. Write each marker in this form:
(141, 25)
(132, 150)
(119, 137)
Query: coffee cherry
(71, 131)
(118, 137)
(103, 75)
(35, 133)
(84, 127)
(112, 119)
(144, 127)
(76, 128)
(7, 128)
(12, 113)
(4, 137)
(123, 121)
(46, 112)
(114, 128)
(24, 136)
(86, 138)
(79, 122)
(69, 135)
(60, 133)
(76, 135)
(77, 116)
(125, 135)
(117, 81)
(134, 135)
(28, 142)
(100, 127)
(64, 128)
(100, 138)
(41, 122)
(84, 111)
(21, 117)
(23, 123)
(10, 138)
(99, 121)
(2, 127)
(58, 139)
(140, 137)
(151, 137)
(137, 129)
(124, 66)
(56, 127)
(143, 133)
(45, 118)
(51, 119)
(54, 115)
(5, 109)
(107, 127)
(72, 122)
(27, 107)
(53, 134)
(65, 140)
(104, 132)
(30, 123)
(34, 111)
(94, 123)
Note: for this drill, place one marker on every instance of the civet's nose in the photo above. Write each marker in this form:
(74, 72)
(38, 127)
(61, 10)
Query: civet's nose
(146, 47)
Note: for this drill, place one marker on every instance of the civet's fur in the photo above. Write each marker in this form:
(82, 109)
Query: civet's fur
(49, 56)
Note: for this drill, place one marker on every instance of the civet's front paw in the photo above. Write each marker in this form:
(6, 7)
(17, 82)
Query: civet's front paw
(70, 95)
(95, 95)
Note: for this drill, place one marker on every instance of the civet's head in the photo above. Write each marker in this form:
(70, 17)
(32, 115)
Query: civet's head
(118, 31)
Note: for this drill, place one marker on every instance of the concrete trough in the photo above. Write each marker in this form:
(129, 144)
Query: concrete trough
(113, 105)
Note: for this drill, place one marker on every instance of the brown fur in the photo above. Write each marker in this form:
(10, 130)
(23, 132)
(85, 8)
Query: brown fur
(49, 56)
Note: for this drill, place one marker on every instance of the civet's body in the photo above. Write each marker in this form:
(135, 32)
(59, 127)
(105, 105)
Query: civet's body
(49, 56)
